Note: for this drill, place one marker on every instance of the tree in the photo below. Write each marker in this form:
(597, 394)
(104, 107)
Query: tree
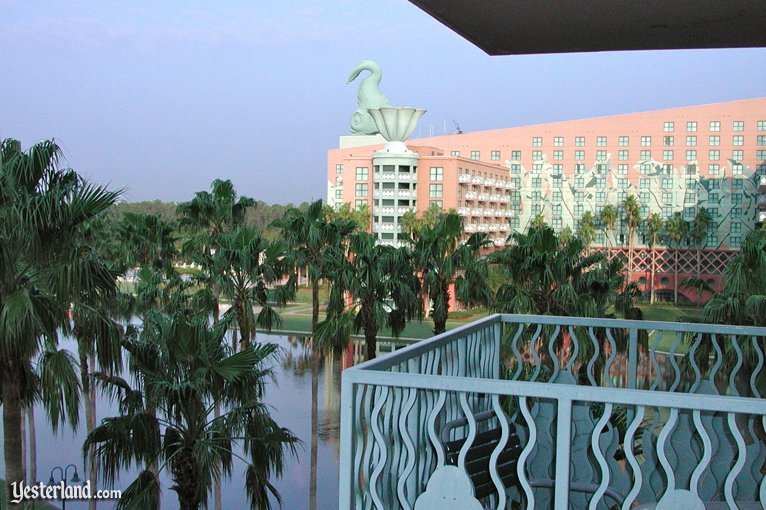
(586, 230)
(654, 228)
(359, 215)
(676, 230)
(181, 362)
(632, 211)
(698, 235)
(383, 289)
(43, 268)
(412, 224)
(538, 221)
(442, 260)
(608, 218)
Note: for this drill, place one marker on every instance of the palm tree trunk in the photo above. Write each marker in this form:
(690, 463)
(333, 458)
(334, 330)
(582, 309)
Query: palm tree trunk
(24, 442)
(315, 363)
(32, 445)
(653, 269)
(90, 421)
(12, 414)
(675, 278)
(217, 481)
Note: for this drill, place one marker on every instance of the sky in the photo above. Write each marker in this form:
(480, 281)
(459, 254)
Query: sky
(161, 97)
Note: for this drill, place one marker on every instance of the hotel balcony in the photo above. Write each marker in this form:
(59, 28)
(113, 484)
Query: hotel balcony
(471, 195)
(483, 196)
(385, 176)
(384, 193)
(477, 180)
(489, 212)
(407, 193)
(489, 182)
(477, 212)
(383, 210)
(762, 184)
(463, 178)
(483, 228)
(498, 241)
(540, 412)
(508, 185)
(470, 227)
(463, 211)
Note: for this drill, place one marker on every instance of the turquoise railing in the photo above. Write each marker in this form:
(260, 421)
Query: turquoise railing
(517, 411)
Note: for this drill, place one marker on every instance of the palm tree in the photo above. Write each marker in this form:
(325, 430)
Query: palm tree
(632, 211)
(654, 227)
(608, 218)
(308, 234)
(676, 230)
(383, 288)
(698, 234)
(249, 269)
(442, 260)
(538, 221)
(182, 363)
(586, 230)
(42, 270)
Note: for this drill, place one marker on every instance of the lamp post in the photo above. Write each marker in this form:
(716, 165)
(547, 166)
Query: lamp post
(75, 479)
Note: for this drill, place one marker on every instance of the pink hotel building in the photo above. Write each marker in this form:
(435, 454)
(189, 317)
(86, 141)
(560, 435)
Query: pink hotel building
(679, 159)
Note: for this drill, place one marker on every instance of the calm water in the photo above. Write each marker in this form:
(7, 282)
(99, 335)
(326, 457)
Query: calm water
(290, 400)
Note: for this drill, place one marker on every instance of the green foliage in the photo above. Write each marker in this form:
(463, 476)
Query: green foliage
(360, 216)
(654, 229)
(586, 230)
(413, 225)
(538, 222)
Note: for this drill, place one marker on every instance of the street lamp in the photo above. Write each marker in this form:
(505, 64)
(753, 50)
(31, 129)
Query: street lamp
(75, 479)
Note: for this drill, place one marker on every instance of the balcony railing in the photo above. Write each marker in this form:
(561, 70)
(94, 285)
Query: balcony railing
(516, 411)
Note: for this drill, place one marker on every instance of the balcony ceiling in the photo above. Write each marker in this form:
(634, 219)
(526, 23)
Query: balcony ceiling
(514, 27)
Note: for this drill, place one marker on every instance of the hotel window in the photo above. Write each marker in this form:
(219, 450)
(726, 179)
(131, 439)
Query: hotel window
(601, 141)
(622, 155)
(714, 155)
(667, 197)
(712, 197)
(715, 140)
(646, 155)
(536, 195)
(691, 141)
(623, 141)
(760, 155)
(667, 141)
(537, 141)
(622, 169)
(667, 211)
(736, 198)
(643, 183)
(537, 155)
(515, 168)
(579, 182)
(736, 227)
(760, 140)
(536, 168)
(358, 204)
(713, 169)
(736, 212)
(621, 194)
(601, 196)
(714, 183)
(516, 182)
(516, 155)
(667, 182)
(556, 182)
(579, 141)
(556, 209)
(536, 182)
(738, 140)
(691, 183)
(668, 127)
(579, 168)
(516, 195)
(558, 168)
(643, 197)
(737, 155)
(644, 168)
(558, 141)
(558, 155)
(601, 182)
(715, 126)
(579, 155)
(556, 223)
(600, 238)
(646, 141)
(338, 193)
(622, 182)
(736, 184)
(689, 213)
(537, 208)
(600, 155)
(435, 190)
(691, 126)
(435, 203)
(667, 155)
(437, 173)
(739, 125)
(579, 196)
(361, 190)
(338, 169)
(691, 155)
(712, 240)
(761, 125)
(475, 155)
(361, 173)
(455, 153)
(557, 196)
(713, 212)
(494, 155)
(515, 223)
(735, 241)
(690, 196)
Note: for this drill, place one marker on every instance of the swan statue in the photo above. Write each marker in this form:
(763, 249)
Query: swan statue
(369, 96)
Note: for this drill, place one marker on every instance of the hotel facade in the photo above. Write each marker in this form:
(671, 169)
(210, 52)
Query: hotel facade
(673, 160)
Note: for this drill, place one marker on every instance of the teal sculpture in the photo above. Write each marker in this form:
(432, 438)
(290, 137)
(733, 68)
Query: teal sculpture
(368, 96)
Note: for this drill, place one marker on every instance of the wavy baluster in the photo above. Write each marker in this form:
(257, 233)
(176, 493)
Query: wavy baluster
(552, 352)
(409, 445)
(693, 361)
(737, 366)
(370, 444)
(593, 359)
(762, 491)
(359, 397)
(575, 349)
(505, 432)
(661, 440)
(533, 350)
(718, 358)
(517, 354)
(676, 368)
(728, 488)
(631, 457)
(520, 471)
(432, 434)
(611, 358)
(707, 453)
(472, 430)
(392, 443)
(380, 443)
(653, 356)
(757, 369)
(594, 443)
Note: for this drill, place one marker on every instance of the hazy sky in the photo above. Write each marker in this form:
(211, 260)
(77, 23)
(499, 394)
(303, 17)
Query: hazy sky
(161, 97)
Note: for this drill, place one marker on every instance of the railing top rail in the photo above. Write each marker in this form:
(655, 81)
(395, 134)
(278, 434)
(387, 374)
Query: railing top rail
(686, 327)
(416, 349)
(618, 396)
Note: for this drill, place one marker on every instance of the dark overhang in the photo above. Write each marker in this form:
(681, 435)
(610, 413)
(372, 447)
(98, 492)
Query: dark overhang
(513, 27)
